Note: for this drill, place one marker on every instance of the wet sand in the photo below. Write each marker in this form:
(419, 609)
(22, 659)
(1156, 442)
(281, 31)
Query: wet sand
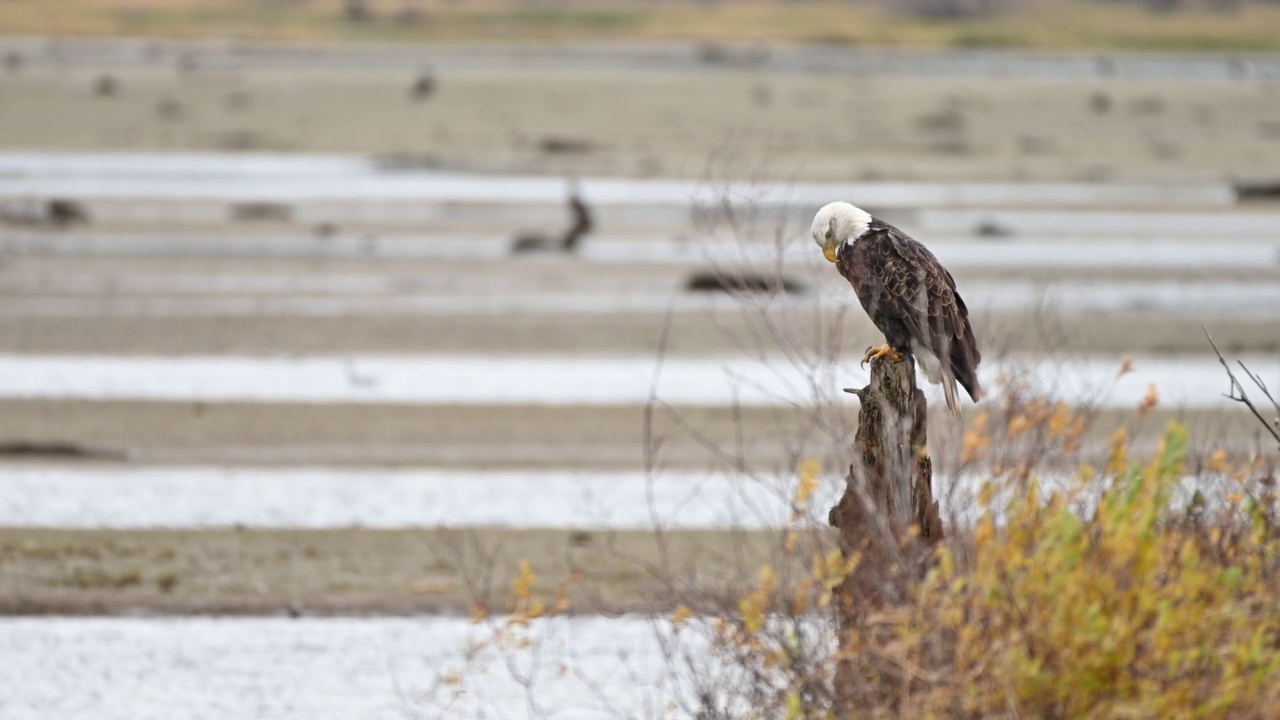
(710, 123)
(770, 440)
(358, 572)
(629, 334)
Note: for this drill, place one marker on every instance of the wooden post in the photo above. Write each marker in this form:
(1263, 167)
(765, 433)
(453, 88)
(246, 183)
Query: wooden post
(887, 518)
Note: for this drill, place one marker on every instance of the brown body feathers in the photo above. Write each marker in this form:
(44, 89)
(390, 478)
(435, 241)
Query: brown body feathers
(912, 299)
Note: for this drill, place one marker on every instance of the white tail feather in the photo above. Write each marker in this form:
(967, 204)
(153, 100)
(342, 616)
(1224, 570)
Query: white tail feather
(949, 388)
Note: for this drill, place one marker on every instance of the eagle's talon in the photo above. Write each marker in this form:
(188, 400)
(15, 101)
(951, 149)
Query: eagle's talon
(881, 351)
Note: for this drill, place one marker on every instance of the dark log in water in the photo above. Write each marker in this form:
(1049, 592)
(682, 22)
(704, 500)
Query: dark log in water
(58, 449)
(734, 283)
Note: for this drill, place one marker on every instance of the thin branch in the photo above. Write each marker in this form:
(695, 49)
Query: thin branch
(1238, 393)
(1257, 380)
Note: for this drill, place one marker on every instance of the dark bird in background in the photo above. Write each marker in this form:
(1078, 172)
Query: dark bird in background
(424, 86)
(566, 243)
(907, 293)
(105, 86)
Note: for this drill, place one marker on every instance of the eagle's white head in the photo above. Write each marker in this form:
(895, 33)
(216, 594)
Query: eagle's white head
(837, 223)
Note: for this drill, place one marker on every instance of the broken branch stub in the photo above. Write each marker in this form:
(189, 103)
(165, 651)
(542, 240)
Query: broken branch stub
(887, 516)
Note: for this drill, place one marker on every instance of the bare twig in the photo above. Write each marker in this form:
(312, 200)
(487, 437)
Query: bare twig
(1238, 393)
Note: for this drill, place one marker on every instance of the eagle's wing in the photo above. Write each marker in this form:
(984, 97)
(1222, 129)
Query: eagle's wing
(901, 283)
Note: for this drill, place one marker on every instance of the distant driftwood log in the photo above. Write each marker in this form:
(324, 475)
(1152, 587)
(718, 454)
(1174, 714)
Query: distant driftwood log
(54, 212)
(742, 283)
(887, 516)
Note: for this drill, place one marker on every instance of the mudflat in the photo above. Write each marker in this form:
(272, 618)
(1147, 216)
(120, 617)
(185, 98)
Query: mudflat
(356, 571)
(711, 123)
(769, 440)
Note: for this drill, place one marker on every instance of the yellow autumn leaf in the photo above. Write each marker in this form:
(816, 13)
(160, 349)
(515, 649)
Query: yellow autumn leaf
(976, 439)
(522, 586)
(1119, 457)
(1150, 400)
(754, 606)
(681, 614)
(808, 473)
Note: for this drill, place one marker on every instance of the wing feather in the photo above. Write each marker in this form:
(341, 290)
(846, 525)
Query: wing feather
(901, 284)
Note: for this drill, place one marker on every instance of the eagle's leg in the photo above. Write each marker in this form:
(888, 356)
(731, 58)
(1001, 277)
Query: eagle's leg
(877, 352)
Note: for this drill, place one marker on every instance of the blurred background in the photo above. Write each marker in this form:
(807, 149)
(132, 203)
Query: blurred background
(317, 308)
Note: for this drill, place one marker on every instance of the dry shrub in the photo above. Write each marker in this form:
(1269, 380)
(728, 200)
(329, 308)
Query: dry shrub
(1126, 589)
(1129, 590)
(1136, 608)
(1122, 613)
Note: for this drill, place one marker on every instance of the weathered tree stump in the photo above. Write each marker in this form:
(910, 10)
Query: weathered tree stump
(887, 519)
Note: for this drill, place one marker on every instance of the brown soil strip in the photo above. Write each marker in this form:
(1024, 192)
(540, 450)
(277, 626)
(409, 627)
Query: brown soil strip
(621, 333)
(770, 440)
(240, 571)
(669, 125)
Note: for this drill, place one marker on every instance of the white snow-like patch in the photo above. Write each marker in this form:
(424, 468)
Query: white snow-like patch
(1184, 382)
(312, 497)
(335, 668)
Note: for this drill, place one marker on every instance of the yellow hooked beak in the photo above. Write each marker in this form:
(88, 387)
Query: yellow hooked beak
(829, 250)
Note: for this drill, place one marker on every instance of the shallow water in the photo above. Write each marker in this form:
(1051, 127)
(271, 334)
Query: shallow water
(1207, 229)
(207, 497)
(301, 178)
(1188, 382)
(339, 668)
(193, 497)
(176, 295)
(1140, 251)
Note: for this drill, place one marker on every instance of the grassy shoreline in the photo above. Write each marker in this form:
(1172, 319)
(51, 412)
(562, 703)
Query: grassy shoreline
(1080, 25)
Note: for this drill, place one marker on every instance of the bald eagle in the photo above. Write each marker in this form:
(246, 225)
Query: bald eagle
(910, 297)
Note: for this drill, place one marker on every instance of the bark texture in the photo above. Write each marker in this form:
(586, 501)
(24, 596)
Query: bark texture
(887, 518)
